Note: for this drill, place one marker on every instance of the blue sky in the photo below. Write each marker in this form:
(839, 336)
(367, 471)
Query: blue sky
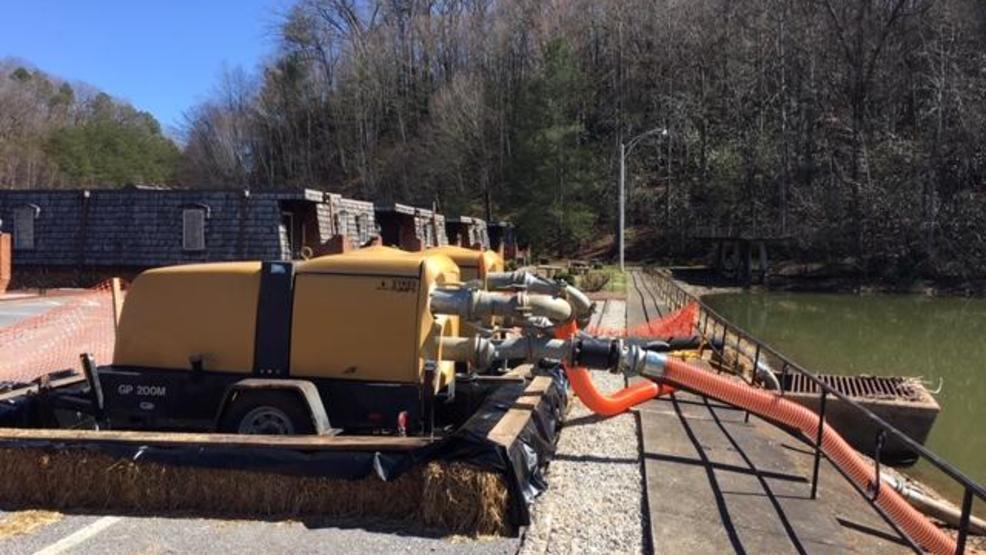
(162, 56)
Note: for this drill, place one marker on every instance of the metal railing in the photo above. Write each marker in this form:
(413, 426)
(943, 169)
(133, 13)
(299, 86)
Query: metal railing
(716, 329)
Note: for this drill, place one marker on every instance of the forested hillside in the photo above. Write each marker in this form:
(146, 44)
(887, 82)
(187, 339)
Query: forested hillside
(52, 135)
(855, 126)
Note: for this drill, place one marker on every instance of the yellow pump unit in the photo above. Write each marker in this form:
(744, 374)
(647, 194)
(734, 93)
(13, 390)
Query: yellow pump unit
(358, 326)
(473, 264)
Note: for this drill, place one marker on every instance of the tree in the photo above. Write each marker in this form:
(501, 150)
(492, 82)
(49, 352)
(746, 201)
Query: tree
(49, 136)
(854, 127)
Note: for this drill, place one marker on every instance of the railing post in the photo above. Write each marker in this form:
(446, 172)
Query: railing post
(756, 363)
(784, 377)
(881, 439)
(818, 445)
(722, 349)
(753, 378)
(964, 521)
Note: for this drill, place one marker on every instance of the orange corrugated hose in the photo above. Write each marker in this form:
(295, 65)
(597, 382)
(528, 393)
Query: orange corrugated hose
(771, 405)
(766, 404)
(595, 400)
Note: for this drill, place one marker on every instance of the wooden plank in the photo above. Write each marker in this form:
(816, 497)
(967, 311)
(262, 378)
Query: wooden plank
(510, 377)
(506, 430)
(117, 290)
(521, 371)
(174, 439)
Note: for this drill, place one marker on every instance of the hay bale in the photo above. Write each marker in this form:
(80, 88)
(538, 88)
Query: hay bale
(453, 497)
(26, 522)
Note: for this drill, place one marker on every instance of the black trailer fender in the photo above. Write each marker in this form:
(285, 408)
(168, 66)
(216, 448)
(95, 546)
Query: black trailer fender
(306, 390)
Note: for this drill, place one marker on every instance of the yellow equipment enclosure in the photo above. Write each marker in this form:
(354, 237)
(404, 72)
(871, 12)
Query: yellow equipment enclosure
(472, 263)
(367, 316)
(197, 310)
(362, 316)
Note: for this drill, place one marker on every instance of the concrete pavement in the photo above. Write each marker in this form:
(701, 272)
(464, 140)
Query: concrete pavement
(15, 310)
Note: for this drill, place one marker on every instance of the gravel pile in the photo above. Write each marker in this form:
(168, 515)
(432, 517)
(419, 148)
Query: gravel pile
(595, 487)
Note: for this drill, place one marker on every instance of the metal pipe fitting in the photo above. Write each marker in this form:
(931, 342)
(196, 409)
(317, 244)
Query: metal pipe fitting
(648, 364)
(581, 304)
(457, 302)
(631, 360)
(482, 352)
(475, 305)
(534, 349)
(477, 351)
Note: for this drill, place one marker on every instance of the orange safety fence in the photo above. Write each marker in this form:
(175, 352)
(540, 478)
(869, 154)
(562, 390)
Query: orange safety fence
(680, 323)
(52, 341)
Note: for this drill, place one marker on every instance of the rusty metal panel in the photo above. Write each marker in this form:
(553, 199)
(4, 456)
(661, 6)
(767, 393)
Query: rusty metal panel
(859, 387)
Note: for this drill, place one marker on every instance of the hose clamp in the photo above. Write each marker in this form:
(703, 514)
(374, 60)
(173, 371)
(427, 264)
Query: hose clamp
(637, 361)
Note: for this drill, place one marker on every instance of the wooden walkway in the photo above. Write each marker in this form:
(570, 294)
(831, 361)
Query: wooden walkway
(716, 483)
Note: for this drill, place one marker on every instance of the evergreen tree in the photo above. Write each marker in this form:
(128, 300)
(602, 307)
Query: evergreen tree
(555, 176)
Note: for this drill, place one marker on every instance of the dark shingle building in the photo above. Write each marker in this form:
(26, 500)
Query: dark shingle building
(503, 239)
(467, 231)
(61, 233)
(410, 228)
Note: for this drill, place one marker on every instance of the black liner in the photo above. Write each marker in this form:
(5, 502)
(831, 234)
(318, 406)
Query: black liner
(522, 463)
(17, 412)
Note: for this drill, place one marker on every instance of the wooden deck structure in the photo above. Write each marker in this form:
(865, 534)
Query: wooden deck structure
(740, 257)
(717, 482)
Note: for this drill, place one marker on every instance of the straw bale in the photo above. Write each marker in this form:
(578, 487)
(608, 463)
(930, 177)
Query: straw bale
(452, 497)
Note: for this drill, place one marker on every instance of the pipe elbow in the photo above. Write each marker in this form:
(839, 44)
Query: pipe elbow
(554, 308)
(581, 304)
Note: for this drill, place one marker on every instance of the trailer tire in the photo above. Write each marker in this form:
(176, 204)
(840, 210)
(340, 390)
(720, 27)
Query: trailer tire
(267, 412)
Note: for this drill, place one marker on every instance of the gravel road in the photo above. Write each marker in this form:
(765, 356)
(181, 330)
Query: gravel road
(594, 501)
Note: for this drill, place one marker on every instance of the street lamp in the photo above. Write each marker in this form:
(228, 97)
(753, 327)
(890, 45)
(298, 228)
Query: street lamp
(625, 150)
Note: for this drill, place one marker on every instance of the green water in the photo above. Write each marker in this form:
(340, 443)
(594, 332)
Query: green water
(939, 339)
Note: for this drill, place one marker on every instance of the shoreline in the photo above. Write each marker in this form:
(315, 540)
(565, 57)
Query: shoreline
(702, 280)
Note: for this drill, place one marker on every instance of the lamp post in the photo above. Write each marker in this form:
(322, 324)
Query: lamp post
(625, 150)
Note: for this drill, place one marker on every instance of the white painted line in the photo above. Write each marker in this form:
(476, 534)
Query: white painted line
(79, 536)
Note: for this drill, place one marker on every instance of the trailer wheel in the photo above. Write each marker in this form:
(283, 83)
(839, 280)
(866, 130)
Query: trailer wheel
(268, 413)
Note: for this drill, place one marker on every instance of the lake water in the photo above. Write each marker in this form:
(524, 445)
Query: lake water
(942, 340)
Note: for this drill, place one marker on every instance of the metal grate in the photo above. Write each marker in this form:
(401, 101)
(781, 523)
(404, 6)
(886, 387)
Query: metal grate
(860, 387)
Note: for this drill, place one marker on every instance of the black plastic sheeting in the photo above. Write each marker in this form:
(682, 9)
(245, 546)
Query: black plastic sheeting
(522, 463)
(17, 412)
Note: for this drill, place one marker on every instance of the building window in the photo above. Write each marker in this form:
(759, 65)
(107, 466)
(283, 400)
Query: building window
(429, 236)
(287, 231)
(363, 228)
(342, 223)
(24, 217)
(193, 229)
